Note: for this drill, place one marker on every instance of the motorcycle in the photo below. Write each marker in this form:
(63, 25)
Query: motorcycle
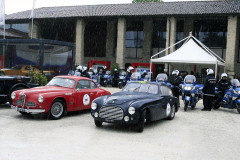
(122, 80)
(162, 78)
(107, 79)
(191, 92)
(231, 99)
(136, 76)
(94, 77)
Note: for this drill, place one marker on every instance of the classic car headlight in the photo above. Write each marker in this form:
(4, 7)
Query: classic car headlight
(40, 99)
(238, 92)
(13, 95)
(131, 110)
(187, 88)
(94, 106)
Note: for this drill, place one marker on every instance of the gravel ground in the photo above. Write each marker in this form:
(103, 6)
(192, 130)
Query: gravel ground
(192, 135)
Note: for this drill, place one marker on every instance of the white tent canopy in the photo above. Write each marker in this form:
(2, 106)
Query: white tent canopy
(191, 52)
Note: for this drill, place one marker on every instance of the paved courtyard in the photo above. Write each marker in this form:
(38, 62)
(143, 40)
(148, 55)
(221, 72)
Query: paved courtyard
(191, 135)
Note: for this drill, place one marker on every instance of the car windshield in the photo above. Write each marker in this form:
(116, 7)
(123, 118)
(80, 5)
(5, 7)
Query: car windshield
(136, 75)
(162, 77)
(235, 83)
(190, 79)
(141, 87)
(62, 82)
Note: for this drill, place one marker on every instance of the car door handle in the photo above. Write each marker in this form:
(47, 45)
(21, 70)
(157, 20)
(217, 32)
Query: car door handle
(91, 93)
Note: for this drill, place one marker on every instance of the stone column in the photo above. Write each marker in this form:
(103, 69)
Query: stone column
(110, 44)
(35, 33)
(232, 45)
(80, 28)
(188, 27)
(147, 40)
(121, 38)
(170, 35)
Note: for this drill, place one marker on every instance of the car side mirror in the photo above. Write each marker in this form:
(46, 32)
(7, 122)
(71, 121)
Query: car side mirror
(78, 89)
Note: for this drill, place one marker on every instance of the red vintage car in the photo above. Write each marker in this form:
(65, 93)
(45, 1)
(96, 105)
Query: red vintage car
(61, 95)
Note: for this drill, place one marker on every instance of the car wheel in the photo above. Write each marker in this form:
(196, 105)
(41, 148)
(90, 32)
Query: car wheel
(238, 108)
(98, 123)
(57, 109)
(172, 113)
(185, 106)
(141, 122)
(15, 89)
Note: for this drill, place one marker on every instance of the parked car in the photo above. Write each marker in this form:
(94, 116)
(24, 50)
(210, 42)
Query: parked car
(23, 70)
(137, 103)
(8, 84)
(61, 95)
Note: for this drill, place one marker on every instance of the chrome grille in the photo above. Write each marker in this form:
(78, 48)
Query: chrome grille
(23, 97)
(31, 104)
(111, 113)
(19, 102)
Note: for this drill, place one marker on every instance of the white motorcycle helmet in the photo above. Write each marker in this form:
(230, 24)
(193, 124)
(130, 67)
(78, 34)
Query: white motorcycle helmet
(130, 68)
(175, 72)
(84, 68)
(79, 68)
(209, 71)
(104, 67)
(224, 75)
(115, 69)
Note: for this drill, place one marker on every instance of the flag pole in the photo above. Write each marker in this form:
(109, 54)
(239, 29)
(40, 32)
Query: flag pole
(32, 15)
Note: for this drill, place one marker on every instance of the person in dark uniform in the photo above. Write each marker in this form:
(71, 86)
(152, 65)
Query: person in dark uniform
(222, 86)
(144, 74)
(129, 73)
(177, 81)
(91, 71)
(208, 90)
(115, 77)
(84, 72)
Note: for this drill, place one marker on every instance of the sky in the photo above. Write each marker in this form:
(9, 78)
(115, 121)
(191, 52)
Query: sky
(13, 6)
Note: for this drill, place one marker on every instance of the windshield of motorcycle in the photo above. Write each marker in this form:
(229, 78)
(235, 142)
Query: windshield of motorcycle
(162, 77)
(136, 75)
(123, 73)
(235, 83)
(107, 72)
(190, 79)
(141, 87)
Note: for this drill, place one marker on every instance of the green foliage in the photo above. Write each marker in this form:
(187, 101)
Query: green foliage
(37, 77)
(144, 1)
(113, 66)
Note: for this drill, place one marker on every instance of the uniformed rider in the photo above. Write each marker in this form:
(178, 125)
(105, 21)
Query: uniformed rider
(208, 90)
(129, 73)
(84, 72)
(223, 85)
(177, 81)
(78, 71)
(144, 74)
(115, 77)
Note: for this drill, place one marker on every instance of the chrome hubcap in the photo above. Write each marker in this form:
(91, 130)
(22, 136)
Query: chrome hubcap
(57, 109)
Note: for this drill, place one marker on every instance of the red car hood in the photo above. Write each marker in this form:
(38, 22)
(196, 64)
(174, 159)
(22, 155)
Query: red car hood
(46, 89)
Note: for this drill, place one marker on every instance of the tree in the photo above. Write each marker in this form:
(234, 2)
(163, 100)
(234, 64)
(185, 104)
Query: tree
(143, 1)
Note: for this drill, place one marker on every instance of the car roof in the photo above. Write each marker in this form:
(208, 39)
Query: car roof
(147, 82)
(74, 77)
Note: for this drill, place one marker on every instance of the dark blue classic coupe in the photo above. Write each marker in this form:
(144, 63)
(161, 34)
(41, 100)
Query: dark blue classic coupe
(136, 104)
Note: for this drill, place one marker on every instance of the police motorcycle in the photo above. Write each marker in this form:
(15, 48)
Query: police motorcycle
(107, 79)
(191, 92)
(122, 80)
(94, 77)
(162, 78)
(136, 76)
(231, 99)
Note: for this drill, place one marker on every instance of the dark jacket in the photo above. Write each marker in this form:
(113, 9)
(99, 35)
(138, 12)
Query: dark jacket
(223, 85)
(209, 85)
(85, 74)
(178, 80)
(128, 76)
(116, 75)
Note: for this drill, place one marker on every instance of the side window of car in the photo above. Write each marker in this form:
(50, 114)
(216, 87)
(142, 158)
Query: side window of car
(92, 85)
(164, 90)
(83, 84)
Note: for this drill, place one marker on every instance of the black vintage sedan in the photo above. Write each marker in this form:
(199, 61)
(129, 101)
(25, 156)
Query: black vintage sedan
(136, 104)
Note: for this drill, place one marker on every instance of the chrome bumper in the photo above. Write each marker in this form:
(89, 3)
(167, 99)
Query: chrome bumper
(27, 110)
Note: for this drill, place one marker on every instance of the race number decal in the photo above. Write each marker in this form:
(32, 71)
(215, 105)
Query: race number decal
(86, 99)
(168, 109)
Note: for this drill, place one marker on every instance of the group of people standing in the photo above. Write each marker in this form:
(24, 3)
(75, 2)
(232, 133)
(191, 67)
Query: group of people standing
(210, 82)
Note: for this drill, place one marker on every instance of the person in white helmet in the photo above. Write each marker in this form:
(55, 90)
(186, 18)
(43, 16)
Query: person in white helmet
(78, 71)
(144, 74)
(177, 81)
(84, 72)
(222, 86)
(115, 77)
(209, 90)
(129, 73)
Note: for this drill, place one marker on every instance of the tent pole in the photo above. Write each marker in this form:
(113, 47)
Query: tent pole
(216, 70)
(150, 69)
(169, 47)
